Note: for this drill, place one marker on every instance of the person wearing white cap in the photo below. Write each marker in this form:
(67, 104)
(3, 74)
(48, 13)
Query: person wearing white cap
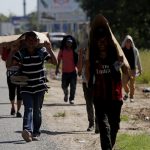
(69, 58)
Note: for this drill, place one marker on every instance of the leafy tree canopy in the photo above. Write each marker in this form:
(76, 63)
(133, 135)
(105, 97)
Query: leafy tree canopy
(3, 18)
(125, 17)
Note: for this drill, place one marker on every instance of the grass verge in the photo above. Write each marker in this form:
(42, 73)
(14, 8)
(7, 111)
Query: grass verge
(133, 142)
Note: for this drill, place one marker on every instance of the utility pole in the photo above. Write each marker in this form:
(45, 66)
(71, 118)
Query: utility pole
(24, 8)
(38, 15)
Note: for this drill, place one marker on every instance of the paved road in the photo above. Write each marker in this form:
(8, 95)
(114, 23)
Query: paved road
(11, 127)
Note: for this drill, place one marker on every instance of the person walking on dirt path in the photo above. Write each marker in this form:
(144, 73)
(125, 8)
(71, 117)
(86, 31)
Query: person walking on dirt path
(69, 58)
(32, 60)
(133, 57)
(13, 89)
(106, 60)
(87, 91)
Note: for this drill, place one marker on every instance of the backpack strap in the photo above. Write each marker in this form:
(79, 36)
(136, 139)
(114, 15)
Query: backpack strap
(75, 55)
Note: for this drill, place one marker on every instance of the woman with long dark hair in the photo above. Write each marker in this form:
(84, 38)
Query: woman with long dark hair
(69, 58)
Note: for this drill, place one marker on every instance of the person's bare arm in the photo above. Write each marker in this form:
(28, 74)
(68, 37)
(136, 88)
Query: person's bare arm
(53, 59)
(57, 67)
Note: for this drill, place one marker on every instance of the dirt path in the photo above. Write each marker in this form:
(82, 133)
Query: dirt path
(68, 123)
(137, 112)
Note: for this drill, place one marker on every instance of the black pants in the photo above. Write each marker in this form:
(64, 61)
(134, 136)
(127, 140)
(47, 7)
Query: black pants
(69, 79)
(12, 90)
(108, 116)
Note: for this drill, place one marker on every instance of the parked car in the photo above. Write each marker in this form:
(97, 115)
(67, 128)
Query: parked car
(56, 38)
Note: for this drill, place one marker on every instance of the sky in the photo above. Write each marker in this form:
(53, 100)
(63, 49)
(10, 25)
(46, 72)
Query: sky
(15, 7)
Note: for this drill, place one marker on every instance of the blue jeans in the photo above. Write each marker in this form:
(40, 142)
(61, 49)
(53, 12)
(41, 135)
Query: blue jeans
(32, 111)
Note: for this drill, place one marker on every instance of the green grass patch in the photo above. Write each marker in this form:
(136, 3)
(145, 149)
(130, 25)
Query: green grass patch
(145, 61)
(60, 114)
(49, 66)
(124, 118)
(133, 142)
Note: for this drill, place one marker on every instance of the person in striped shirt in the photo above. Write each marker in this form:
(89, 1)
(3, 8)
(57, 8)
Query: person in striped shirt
(31, 59)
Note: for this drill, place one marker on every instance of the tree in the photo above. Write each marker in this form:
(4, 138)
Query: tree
(3, 18)
(33, 21)
(124, 16)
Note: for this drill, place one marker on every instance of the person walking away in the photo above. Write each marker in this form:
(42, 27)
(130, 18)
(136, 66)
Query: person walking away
(106, 60)
(133, 57)
(32, 60)
(69, 58)
(13, 89)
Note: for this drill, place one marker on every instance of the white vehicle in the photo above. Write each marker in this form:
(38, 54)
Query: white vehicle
(56, 38)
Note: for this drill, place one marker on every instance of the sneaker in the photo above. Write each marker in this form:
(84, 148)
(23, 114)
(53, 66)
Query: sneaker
(26, 135)
(18, 115)
(131, 100)
(12, 112)
(90, 128)
(35, 138)
(71, 102)
(125, 97)
(66, 98)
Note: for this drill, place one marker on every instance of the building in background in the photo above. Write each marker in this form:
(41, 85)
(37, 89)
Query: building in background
(53, 16)
(6, 28)
(20, 23)
(61, 16)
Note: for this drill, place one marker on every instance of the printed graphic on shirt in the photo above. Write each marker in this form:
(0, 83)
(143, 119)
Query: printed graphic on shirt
(103, 69)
